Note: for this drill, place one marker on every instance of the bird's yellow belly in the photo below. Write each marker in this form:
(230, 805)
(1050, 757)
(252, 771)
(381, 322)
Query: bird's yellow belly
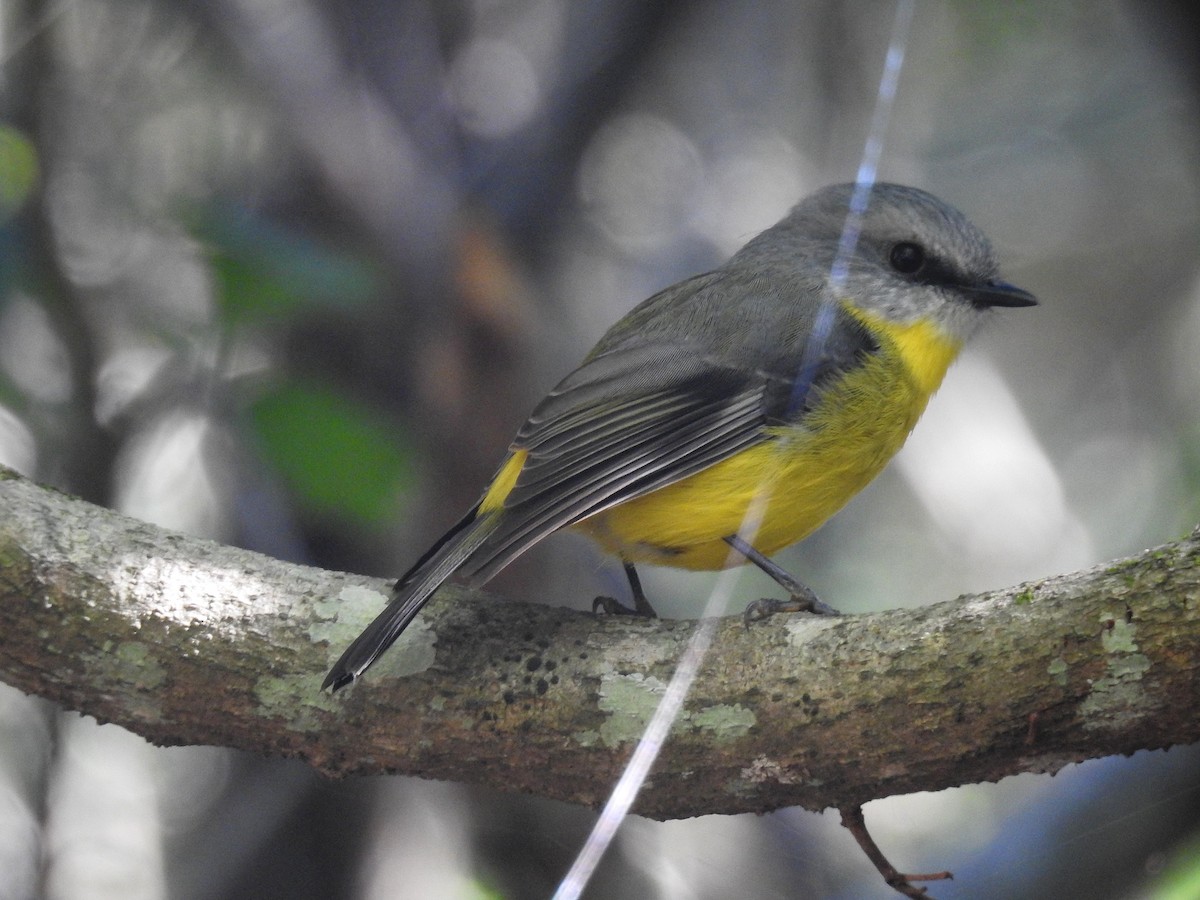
(783, 489)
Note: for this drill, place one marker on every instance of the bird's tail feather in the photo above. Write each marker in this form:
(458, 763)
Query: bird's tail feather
(410, 594)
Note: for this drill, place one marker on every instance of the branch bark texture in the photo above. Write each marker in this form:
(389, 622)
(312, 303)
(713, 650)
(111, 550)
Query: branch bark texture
(188, 642)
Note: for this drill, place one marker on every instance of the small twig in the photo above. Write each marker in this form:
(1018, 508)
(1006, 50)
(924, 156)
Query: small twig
(852, 819)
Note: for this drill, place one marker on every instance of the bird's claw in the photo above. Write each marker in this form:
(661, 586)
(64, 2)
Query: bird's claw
(611, 606)
(764, 608)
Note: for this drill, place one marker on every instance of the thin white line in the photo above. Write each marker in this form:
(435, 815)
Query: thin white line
(651, 743)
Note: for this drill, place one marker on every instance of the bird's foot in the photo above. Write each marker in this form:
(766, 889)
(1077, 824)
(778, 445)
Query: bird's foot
(610, 606)
(807, 601)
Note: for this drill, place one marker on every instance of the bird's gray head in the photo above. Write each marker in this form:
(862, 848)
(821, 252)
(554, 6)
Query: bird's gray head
(915, 257)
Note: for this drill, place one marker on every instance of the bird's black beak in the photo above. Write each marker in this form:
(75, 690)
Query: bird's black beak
(998, 293)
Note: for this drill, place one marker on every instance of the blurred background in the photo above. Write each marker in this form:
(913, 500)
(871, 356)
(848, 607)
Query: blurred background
(290, 274)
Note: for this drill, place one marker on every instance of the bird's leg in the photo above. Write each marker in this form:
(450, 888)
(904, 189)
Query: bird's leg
(640, 603)
(802, 597)
(641, 606)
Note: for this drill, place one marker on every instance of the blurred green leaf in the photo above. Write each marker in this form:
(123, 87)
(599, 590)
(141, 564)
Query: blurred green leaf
(1181, 881)
(263, 270)
(18, 171)
(479, 890)
(338, 456)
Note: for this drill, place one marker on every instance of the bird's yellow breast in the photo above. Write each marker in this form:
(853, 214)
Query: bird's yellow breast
(800, 477)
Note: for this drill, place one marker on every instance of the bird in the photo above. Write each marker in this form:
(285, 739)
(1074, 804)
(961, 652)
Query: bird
(733, 413)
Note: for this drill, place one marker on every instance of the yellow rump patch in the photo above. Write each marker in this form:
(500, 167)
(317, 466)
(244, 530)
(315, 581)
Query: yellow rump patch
(504, 481)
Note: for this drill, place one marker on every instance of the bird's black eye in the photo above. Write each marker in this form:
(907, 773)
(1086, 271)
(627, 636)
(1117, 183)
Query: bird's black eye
(907, 258)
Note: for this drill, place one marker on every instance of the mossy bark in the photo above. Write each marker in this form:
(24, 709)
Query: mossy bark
(188, 642)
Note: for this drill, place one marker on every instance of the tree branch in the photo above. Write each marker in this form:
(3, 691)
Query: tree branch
(188, 642)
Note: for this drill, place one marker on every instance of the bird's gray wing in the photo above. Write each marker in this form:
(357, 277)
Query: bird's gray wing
(635, 419)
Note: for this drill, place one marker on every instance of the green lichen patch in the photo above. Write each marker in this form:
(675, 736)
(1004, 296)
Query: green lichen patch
(1058, 671)
(1118, 697)
(724, 721)
(131, 663)
(137, 662)
(586, 738)
(343, 618)
(414, 652)
(1124, 567)
(1118, 637)
(294, 697)
(630, 701)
